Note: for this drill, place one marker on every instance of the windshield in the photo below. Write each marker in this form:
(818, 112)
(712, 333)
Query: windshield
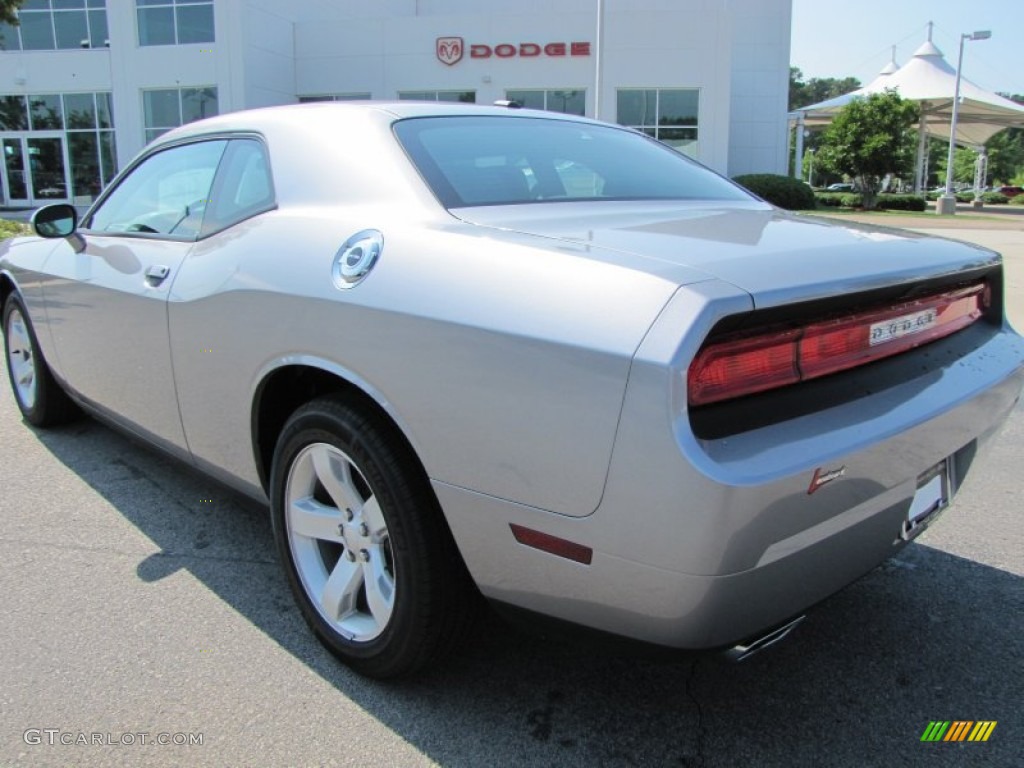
(505, 160)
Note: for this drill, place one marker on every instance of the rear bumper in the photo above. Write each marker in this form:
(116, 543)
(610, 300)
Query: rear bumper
(702, 544)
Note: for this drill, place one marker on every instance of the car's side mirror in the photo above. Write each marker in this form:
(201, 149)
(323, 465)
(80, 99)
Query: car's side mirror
(58, 220)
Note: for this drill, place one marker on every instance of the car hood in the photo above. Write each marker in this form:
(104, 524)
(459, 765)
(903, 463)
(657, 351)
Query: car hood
(775, 256)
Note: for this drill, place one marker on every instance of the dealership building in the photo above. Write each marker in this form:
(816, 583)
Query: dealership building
(84, 84)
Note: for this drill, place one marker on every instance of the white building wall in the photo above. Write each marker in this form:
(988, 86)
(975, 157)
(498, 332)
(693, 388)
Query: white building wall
(265, 52)
(134, 68)
(54, 71)
(384, 57)
(672, 45)
(759, 86)
(645, 44)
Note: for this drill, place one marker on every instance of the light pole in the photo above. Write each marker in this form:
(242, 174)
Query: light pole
(947, 203)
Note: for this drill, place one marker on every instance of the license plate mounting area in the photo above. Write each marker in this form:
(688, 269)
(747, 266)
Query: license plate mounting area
(930, 498)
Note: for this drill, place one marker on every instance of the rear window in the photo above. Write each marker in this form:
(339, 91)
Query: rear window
(470, 161)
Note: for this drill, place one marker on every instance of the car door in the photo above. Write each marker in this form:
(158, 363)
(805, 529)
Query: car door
(214, 311)
(107, 305)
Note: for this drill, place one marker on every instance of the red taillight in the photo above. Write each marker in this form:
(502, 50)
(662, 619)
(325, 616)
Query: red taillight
(751, 364)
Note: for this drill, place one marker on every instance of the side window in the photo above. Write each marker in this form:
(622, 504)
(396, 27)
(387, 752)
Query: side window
(243, 186)
(166, 194)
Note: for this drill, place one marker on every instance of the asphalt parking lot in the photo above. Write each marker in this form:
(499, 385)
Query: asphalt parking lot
(140, 598)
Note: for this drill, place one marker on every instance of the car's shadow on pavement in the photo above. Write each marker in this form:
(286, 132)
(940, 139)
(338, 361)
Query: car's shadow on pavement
(929, 636)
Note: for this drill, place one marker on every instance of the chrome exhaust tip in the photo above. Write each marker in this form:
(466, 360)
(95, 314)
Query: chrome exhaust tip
(743, 651)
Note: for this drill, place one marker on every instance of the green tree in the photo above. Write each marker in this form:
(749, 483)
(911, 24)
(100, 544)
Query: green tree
(813, 91)
(964, 161)
(1005, 155)
(802, 94)
(8, 11)
(1006, 151)
(869, 139)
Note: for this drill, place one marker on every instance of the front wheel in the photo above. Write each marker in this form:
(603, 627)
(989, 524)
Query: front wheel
(366, 549)
(40, 398)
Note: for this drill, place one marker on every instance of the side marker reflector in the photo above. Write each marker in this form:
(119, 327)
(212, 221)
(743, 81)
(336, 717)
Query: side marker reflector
(553, 545)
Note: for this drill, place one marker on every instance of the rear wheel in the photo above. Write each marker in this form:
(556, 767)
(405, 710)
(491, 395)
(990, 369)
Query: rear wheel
(39, 397)
(366, 549)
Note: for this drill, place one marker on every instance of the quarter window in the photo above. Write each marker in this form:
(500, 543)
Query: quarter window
(568, 100)
(175, 22)
(165, 194)
(243, 187)
(167, 108)
(669, 115)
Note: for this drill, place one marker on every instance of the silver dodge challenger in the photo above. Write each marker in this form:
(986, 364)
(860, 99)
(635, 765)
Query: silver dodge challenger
(481, 351)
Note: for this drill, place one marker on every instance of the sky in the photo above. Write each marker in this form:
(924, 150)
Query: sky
(839, 38)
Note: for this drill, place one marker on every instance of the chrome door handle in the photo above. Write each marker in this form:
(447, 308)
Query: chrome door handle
(156, 274)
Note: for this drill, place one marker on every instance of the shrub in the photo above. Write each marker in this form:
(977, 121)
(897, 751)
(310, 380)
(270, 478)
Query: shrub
(10, 228)
(961, 197)
(884, 202)
(995, 198)
(829, 199)
(901, 203)
(1018, 200)
(783, 191)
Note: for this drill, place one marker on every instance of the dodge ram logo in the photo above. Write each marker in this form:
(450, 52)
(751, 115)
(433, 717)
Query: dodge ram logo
(449, 50)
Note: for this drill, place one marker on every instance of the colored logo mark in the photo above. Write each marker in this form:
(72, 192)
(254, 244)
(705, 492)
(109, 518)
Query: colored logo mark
(958, 730)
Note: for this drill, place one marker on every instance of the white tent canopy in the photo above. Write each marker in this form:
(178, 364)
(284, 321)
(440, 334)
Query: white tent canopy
(929, 80)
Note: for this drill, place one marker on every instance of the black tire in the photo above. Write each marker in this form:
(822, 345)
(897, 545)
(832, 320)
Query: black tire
(40, 398)
(381, 504)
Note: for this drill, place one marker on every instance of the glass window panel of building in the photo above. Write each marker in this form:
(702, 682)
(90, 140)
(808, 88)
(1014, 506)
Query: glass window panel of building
(86, 123)
(13, 113)
(669, 115)
(314, 97)
(47, 25)
(88, 116)
(167, 108)
(465, 97)
(45, 112)
(571, 101)
(174, 22)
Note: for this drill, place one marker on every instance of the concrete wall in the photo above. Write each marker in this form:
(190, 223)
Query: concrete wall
(759, 86)
(735, 51)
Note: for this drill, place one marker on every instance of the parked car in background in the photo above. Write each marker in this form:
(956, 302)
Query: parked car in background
(1010, 191)
(840, 187)
(464, 350)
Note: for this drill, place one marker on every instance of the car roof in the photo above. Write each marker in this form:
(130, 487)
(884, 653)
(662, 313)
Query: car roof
(309, 148)
(384, 111)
